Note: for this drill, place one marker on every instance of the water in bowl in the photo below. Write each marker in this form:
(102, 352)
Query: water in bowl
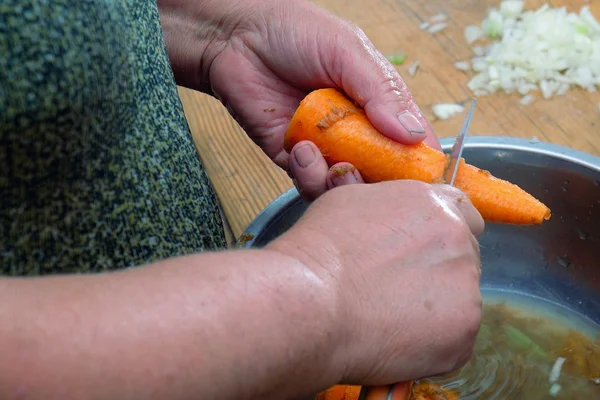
(529, 349)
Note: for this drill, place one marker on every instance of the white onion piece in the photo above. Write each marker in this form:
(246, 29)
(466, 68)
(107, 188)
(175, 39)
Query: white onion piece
(412, 70)
(462, 65)
(438, 18)
(492, 24)
(472, 33)
(478, 50)
(554, 389)
(511, 8)
(446, 110)
(555, 371)
(527, 100)
(437, 27)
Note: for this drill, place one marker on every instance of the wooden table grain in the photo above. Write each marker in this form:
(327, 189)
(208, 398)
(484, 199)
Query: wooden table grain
(245, 179)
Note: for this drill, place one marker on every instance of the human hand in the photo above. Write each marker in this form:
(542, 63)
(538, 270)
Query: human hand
(405, 273)
(263, 56)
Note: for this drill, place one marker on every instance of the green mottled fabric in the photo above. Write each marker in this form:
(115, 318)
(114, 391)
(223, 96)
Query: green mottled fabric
(98, 170)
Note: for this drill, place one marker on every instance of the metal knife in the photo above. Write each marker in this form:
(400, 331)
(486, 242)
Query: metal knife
(457, 148)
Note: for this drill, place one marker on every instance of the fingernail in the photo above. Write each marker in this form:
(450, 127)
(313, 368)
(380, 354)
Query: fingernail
(411, 123)
(304, 155)
(347, 178)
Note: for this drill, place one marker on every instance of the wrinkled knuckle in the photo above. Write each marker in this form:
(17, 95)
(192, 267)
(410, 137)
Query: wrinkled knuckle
(420, 189)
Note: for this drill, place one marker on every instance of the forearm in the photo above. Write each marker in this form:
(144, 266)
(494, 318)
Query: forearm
(231, 325)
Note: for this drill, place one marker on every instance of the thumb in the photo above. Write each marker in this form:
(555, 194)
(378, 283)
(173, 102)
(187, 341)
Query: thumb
(373, 82)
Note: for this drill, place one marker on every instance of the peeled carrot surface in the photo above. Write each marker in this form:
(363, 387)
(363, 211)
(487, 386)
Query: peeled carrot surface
(341, 130)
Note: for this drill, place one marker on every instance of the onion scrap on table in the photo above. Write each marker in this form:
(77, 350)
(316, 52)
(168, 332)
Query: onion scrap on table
(547, 49)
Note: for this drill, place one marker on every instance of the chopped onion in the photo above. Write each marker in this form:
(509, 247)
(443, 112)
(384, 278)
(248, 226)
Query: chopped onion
(437, 27)
(479, 64)
(479, 51)
(492, 25)
(412, 70)
(438, 18)
(555, 371)
(526, 88)
(547, 49)
(554, 389)
(446, 110)
(462, 65)
(511, 8)
(527, 100)
(472, 33)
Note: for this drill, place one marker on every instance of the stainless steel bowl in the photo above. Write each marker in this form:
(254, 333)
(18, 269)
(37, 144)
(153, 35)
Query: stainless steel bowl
(557, 261)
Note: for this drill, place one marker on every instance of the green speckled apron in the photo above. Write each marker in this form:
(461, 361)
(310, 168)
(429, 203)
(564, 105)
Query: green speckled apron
(98, 170)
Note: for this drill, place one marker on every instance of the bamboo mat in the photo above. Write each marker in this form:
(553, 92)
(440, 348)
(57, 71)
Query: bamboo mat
(246, 181)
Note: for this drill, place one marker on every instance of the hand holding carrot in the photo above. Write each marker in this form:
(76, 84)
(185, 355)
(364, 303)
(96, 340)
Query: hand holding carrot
(264, 56)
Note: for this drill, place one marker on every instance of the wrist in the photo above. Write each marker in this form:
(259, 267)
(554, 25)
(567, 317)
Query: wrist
(319, 256)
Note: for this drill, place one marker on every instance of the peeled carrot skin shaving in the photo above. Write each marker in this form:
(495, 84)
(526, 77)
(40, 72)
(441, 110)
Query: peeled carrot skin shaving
(343, 133)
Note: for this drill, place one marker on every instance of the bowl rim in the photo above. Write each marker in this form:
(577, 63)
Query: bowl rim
(288, 199)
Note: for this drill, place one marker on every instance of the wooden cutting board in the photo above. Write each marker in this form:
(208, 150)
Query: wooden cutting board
(246, 180)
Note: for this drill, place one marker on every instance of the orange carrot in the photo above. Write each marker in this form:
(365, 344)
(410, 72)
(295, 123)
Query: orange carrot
(341, 130)
(340, 392)
(430, 391)
(401, 391)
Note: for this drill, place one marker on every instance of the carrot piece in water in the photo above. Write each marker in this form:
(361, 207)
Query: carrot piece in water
(340, 392)
(430, 391)
(401, 391)
(343, 133)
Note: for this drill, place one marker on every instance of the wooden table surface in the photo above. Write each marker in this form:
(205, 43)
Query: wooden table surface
(246, 180)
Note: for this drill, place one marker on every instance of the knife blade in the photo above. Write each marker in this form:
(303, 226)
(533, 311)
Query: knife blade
(457, 148)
